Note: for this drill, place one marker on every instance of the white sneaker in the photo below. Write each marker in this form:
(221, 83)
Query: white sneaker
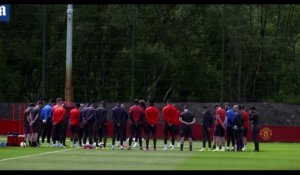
(203, 149)
(135, 144)
(121, 147)
(165, 149)
(217, 149)
(112, 147)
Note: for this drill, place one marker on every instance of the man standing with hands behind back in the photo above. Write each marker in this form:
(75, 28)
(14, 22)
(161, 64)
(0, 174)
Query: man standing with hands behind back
(254, 119)
(187, 118)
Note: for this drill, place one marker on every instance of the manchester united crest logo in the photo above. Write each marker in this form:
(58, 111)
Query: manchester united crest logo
(265, 133)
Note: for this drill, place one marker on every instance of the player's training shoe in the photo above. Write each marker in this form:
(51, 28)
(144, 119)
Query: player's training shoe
(202, 149)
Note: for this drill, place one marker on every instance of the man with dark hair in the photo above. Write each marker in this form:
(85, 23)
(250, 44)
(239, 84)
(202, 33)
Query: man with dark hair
(35, 123)
(46, 115)
(58, 118)
(246, 126)
(207, 122)
(169, 114)
(125, 125)
(151, 114)
(254, 119)
(119, 121)
(27, 120)
(220, 127)
(100, 124)
(88, 123)
(187, 119)
(74, 123)
(82, 109)
(238, 127)
(136, 113)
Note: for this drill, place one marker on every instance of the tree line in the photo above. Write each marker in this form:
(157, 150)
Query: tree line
(164, 51)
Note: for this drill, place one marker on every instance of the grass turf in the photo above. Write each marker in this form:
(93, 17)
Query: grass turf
(273, 156)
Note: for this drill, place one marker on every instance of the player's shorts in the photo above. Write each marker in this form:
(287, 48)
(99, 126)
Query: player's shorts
(186, 131)
(245, 132)
(37, 126)
(220, 131)
(176, 129)
(74, 129)
(26, 129)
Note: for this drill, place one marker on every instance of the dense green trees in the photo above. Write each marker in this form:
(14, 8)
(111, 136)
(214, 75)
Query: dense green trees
(177, 51)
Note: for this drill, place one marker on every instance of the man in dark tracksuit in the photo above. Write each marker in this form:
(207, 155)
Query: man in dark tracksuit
(207, 122)
(100, 124)
(26, 123)
(238, 127)
(82, 110)
(88, 122)
(254, 119)
(119, 121)
(187, 119)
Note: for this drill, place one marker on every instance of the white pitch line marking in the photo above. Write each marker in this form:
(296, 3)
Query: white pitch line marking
(20, 157)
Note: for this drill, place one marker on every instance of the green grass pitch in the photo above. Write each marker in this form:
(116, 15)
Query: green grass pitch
(273, 156)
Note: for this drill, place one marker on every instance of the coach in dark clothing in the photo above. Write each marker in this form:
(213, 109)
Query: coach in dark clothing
(207, 122)
(119, 117)
(187, 119)
(100, 124)
(238, 127)
(254, 119)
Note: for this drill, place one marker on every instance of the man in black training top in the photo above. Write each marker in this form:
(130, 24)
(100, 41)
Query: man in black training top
(254, 119)
(100, 125)
(187, 119)
(207, 122)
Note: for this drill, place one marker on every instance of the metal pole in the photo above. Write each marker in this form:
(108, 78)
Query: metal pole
(222, 73)
(133, 49)
(44, 54)
(68, 85)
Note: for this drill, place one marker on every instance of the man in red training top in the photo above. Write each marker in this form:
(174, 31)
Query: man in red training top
(58, 117)
(136, 113)
(169, 114)
(220, 128)
(151, 119)
(74, 123)
(246, 126)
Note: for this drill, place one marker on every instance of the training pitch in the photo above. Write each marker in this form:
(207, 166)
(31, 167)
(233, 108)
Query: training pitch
(273, 156)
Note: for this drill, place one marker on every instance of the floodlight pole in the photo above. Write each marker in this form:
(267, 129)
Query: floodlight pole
(68, 85)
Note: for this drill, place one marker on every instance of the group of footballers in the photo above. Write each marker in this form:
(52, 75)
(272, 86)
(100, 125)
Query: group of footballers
(88, 125)
(232, 122)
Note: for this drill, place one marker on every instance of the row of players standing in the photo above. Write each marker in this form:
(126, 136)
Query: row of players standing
(142, 118)
(89, 122)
